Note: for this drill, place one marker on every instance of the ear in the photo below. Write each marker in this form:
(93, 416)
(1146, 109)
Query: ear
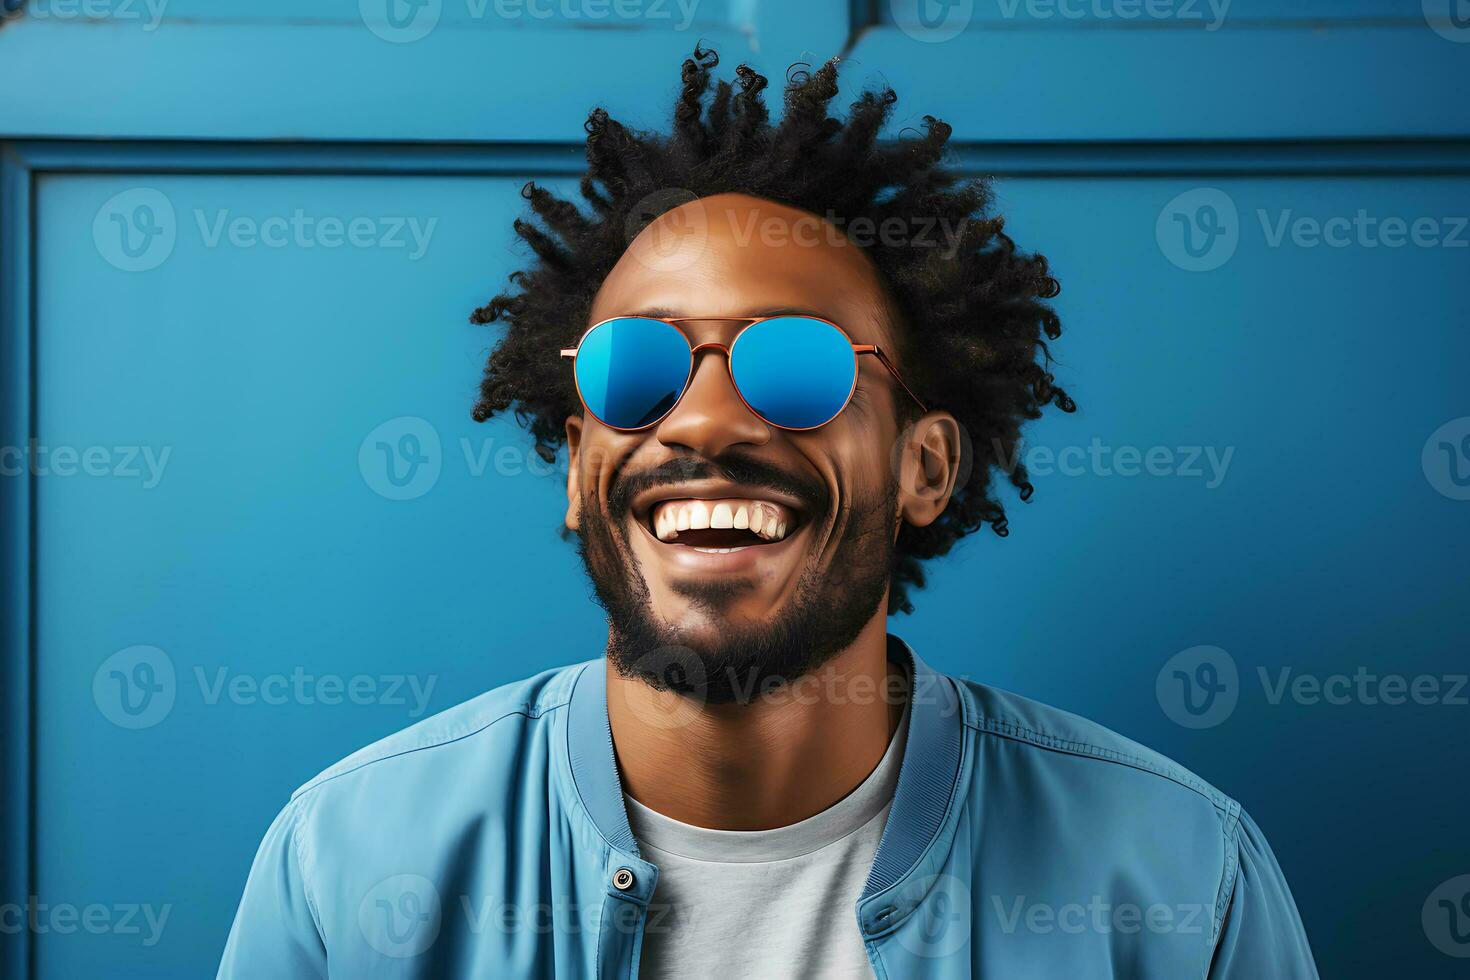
(574, 468)
(928, 465)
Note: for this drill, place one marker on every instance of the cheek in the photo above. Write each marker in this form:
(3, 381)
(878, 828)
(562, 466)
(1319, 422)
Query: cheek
(603, 454)
(856, 460)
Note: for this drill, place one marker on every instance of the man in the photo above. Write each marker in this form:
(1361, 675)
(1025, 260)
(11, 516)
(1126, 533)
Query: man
(784, 361)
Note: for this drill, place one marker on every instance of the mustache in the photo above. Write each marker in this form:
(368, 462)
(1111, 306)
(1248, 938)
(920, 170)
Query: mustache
(732, 467)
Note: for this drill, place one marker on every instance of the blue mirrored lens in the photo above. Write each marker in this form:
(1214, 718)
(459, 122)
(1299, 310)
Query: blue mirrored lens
(794, 371)
(631, 371)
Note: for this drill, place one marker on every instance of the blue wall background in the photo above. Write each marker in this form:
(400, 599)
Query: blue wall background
(209, 509)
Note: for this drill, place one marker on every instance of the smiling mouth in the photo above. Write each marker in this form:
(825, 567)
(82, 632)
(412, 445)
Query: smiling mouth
(721, 526)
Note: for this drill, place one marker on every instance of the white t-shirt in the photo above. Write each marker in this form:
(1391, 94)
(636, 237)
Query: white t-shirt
(765, 904)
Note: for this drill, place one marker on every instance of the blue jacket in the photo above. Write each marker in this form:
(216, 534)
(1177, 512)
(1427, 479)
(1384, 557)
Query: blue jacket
(1022, 842)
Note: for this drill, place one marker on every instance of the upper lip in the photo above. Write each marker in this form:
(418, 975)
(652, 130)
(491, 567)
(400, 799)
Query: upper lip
(644, 502)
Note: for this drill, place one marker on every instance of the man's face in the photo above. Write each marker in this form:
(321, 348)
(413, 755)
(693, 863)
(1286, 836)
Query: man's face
(721, 610)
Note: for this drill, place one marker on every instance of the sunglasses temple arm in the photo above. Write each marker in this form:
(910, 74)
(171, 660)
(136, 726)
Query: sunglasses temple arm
(883, 359)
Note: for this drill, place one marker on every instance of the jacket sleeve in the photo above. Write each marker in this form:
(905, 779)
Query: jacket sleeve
(1262, 934)
(276, 935)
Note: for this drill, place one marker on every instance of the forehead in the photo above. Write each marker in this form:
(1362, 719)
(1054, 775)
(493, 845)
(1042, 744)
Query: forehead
(734, 255)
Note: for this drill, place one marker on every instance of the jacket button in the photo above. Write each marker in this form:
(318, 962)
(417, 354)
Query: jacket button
(623, 879)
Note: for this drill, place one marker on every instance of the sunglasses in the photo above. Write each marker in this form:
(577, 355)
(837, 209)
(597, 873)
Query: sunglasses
(793, 372)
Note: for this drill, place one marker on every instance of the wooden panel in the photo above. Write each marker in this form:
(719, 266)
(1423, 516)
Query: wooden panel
(338, 79)
(1286, 82)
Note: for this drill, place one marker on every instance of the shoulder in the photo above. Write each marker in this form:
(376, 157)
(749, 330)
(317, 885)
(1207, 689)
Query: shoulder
(1046, 736)
(482, 735)
(1090, 805)
(414, 799)
(423, 805)
(1065, 808)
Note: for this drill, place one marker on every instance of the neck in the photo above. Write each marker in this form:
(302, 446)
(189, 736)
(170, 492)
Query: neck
(776, 760)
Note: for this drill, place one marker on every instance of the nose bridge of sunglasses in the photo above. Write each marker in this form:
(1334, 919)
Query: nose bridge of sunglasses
(711, 366)
(711, 347)
(717, 331)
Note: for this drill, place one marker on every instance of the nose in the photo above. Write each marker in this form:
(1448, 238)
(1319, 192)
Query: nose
(711, 418)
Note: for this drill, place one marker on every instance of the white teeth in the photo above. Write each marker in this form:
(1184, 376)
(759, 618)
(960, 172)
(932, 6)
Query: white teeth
(721, 551)
(764, 519)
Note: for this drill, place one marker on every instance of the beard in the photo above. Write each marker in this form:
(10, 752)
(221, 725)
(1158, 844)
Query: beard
(823, 616)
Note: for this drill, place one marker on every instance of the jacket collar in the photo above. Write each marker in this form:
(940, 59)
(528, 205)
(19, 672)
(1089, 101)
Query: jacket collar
(921, 821)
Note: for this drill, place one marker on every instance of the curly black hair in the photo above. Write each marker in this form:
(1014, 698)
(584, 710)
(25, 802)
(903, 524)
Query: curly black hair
(974, 322)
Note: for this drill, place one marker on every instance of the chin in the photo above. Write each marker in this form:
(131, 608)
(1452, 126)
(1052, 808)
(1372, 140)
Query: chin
(704, 609)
